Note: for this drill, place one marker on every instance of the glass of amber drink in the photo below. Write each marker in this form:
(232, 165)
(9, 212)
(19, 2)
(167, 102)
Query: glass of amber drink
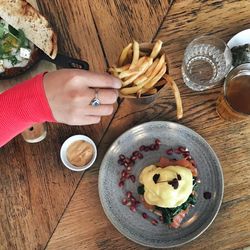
(234, 102)
(36, 133)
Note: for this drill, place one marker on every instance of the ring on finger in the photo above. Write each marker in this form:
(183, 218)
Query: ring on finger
(95, 101)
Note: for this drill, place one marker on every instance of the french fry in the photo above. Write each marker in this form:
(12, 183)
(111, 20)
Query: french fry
(124, 54)
(148, 61)
(156, 49)
(177, 95)
(157, 78)
(130, 90)
(136, 54)
(148, 91)
(155, 72)
(147, 74)
(135, 70)
(142, 70)
(120, 69)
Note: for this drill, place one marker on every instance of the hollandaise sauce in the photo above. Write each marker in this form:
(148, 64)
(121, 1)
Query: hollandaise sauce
(172, 188)
(169, 190)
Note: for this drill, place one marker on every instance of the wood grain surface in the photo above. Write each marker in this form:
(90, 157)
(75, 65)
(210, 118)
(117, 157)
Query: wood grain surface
(35, 187)
(84, 225)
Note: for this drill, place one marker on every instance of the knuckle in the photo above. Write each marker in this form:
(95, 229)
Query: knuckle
(107, 110)
(113, 96)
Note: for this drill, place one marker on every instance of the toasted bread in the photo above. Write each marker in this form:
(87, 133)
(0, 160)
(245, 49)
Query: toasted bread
(21, 15)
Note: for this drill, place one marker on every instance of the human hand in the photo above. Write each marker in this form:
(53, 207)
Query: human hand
(70, 91)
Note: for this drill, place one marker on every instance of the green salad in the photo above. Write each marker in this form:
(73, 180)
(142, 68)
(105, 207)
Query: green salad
(14, 46)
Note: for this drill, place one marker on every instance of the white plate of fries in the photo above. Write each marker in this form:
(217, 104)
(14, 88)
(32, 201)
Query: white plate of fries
(144, 71)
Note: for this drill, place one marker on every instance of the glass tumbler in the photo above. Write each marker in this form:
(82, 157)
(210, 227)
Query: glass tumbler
(36, 133)
(234, 102)
(207, 60)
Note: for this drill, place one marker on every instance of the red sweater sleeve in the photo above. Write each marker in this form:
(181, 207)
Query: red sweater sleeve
(22, 106)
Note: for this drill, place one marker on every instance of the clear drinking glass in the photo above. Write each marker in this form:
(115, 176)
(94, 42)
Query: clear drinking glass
(36, 133)
(207, 60)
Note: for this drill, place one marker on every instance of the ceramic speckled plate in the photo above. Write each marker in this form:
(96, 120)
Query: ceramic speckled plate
(131, 224)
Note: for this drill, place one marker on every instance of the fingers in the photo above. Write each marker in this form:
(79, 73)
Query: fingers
(89, 115)
(102, 110)
(84, 120)
(98, 80)
(106, 96)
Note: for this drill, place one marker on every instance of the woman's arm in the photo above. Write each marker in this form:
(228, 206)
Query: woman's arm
(22, 106)
(60, 96)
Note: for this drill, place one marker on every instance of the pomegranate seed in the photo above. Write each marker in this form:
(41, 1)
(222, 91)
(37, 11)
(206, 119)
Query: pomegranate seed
(133, 208)
(124, 173)
(120, 162)
(125, 164)
(132, 178)
(129, 168)
(182, 149)
(188, 157)
(154, 222)
(121, 157)
(157, 141)
(136, 153)
(177, 151)
(152, 147)
(169, 151)
(133, 200)
(129, 203)
(186, 154)
(144, 215)
(156, 146)
(140, 156)
(121, 184)
(129, 194)
(127, 160)
(127, 175)
(124, 201)
(142, 148)
(146, 149)
(133, 158)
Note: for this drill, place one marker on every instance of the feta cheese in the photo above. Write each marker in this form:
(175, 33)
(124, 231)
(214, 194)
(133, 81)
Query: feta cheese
(25, 53)
(1, 62)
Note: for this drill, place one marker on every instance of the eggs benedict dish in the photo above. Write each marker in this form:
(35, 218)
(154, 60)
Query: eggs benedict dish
(168, 189)
(173, 186)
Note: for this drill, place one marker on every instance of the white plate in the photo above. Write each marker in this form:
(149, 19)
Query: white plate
(240, 38)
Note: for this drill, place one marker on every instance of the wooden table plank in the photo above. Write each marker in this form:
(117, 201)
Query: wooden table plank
(35, 186)
(119, 22)
(84, 224)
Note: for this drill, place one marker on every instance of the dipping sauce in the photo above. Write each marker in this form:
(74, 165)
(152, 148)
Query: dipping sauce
(80, 153)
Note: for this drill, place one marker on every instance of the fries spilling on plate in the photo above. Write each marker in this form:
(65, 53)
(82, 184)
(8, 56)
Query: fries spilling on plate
(143, 70)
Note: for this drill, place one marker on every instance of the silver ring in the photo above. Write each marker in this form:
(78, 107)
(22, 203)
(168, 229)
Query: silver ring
(95, 101)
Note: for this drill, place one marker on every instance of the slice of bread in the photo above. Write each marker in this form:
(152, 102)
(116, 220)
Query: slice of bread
(21, 15)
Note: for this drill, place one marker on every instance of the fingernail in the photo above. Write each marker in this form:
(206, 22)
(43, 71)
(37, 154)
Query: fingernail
(117, 83)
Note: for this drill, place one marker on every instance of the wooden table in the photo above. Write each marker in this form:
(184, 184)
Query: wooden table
(44, 205)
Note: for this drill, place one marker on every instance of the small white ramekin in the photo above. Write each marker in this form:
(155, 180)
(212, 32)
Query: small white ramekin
(69, 141)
